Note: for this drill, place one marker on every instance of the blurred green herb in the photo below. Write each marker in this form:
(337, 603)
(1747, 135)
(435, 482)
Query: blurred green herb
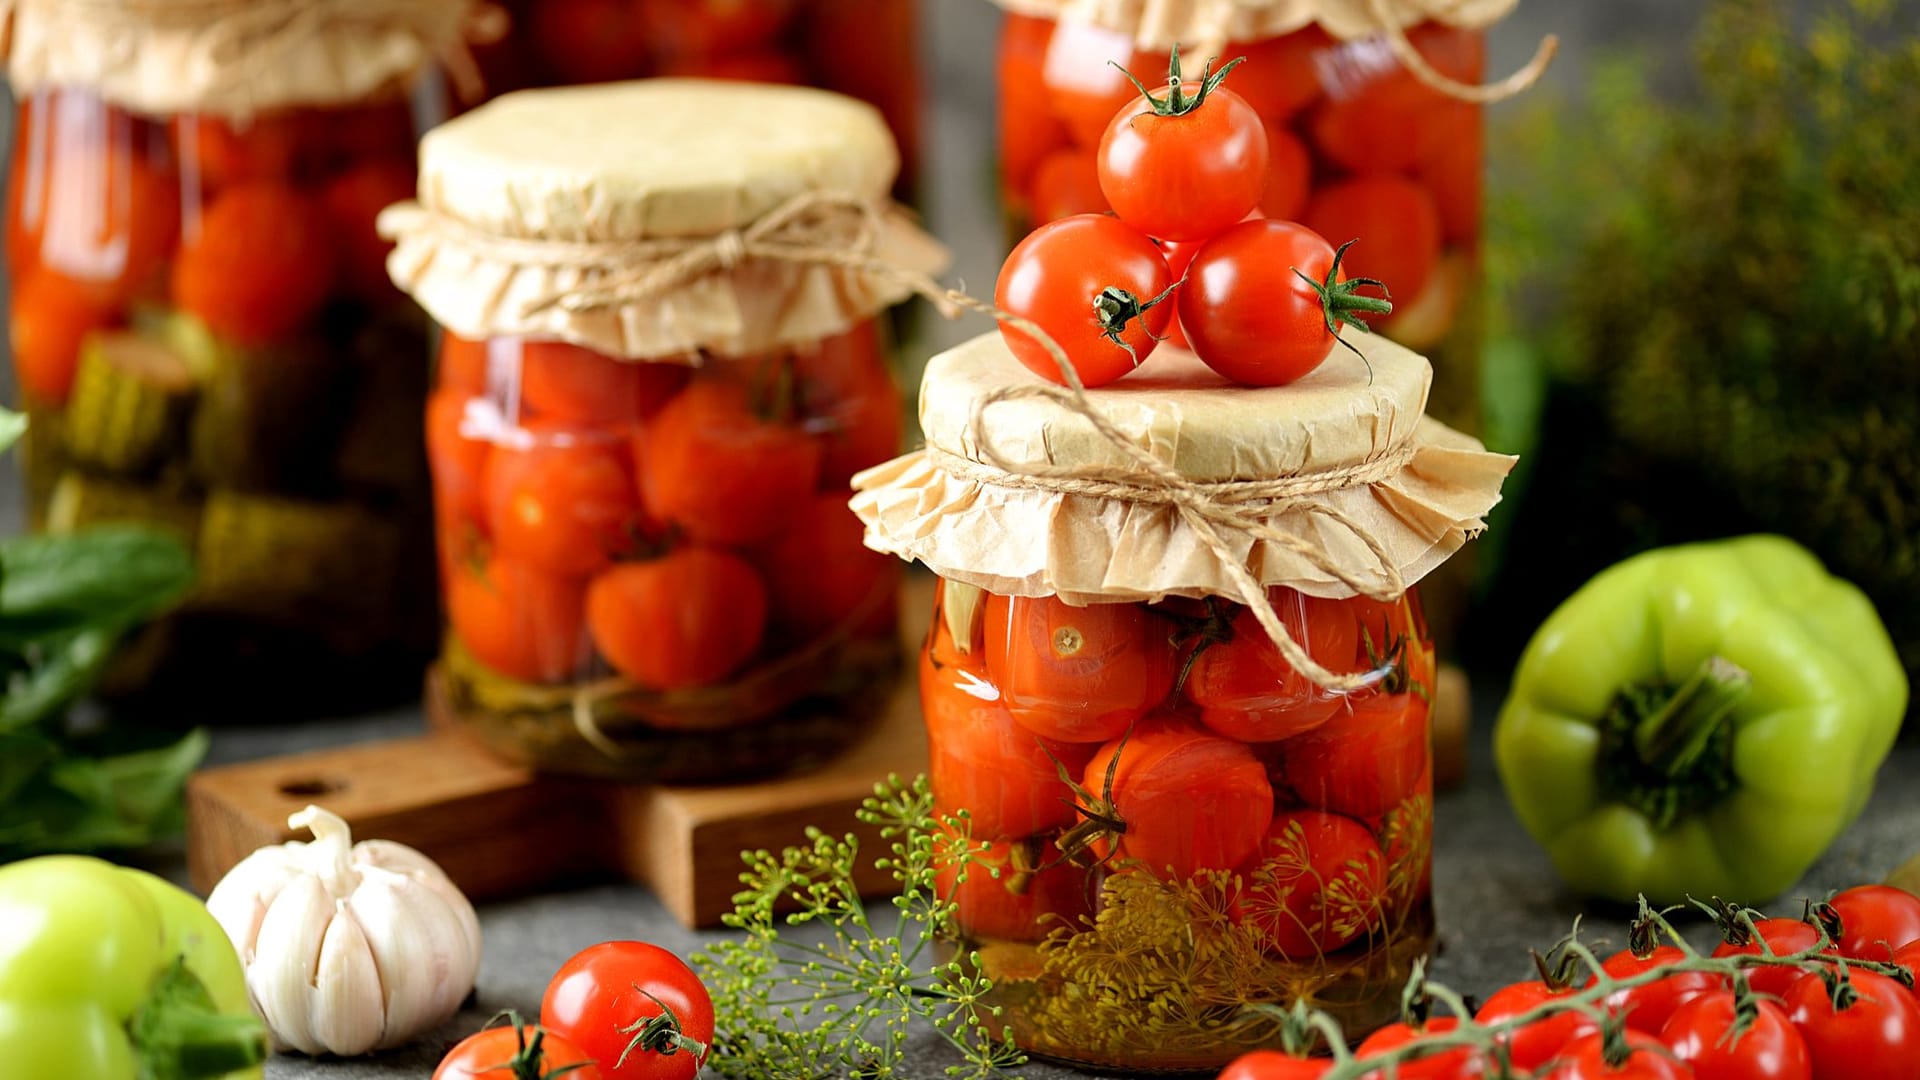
(821, 991)
(65, 603)
(1723, 287)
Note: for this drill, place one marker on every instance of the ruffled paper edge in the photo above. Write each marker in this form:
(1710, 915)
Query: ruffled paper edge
(1160, 24)
(756, 306)
(1024, 542)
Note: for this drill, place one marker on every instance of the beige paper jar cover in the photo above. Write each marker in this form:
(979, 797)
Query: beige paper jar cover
(1158, 24)
(1418, 488)
(233, 58)
(654, 219)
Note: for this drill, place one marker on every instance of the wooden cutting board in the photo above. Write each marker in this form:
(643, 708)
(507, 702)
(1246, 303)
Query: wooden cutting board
(499, 830)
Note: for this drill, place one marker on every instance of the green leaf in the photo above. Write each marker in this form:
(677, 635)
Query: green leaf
(79, 804)
(60, 671)
(107, 577)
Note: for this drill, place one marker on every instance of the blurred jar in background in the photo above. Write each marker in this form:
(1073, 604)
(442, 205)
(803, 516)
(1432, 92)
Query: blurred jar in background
(204, 333)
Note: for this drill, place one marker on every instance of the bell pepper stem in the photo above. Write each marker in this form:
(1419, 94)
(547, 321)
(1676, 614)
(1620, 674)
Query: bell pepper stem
(179, 1034)
(1672, 738)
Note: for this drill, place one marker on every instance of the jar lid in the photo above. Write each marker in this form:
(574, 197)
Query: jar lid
(233, 58)
(653, 219)
(1336, 485)
(1160, 24)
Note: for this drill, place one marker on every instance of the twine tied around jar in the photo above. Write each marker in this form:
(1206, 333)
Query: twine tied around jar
(1439, 82)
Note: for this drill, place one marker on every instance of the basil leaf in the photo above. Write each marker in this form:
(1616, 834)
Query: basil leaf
(103, 577)
(59, 670)
(93, 804)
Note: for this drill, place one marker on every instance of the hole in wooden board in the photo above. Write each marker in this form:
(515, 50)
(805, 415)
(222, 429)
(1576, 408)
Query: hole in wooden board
(312, 787)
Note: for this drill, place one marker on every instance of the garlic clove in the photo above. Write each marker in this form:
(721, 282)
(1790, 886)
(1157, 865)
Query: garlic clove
(240, 901)
(286, 957)
(346, 1006)
(426, 966)
(425, 872)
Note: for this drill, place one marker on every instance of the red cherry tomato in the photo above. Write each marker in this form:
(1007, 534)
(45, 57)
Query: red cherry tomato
(353, 200)
(1028, 128)
(723, 473)
(1648, 1059)
(111, 213)
(1054, 278)
(1185, 176)
(1647, 1008)
(1877, 1034)
(1004, 776)
(50, 317)
(1025, 902)
(1246, 690)
(1536, 1044)
(569, 383)
(1190, 801)
(260, 265)
(1876, 920)
(850, 401)
(616, 984)
(1908, 956)
(502, 1052)
(1785, 936)
(566, 503)
(1274, 1065)
(1289, 175)
(1077, 674)
(1319, 887)
(1458, 1064)
(685, 620)
(1366, 759)
(824, 580)
(1066, 183)
(1455, 176)
(1396, 222)
(459, 463)
(221, 153)
(1248, 314)
(1085, 71)
(1701, 1033)
(520, 621)
(1393, 122)
(463, 364)
(1281, 75)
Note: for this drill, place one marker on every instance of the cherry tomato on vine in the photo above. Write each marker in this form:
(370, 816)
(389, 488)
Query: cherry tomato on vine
(1246, 690)
(1784, 936)
(1647, 1008)
(566, 503)
(1537, 1043)
(1875, 920)
(1077, 674)
(1647, 1059)
(614, 985)
(1875, 1031)
(687, 619)
(1185, 161)
(1320, 885)
(1250, 314)
(510, 1053)
(1274, 1065)
(1093, 285)
(1398, 226)
(1702, 1033)
(1189, 800)
(1458, 1064)
(979, 760)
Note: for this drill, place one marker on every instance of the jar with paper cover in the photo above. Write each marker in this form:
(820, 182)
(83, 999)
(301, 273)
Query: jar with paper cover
(662, 363)
(205, 335)
(1178, 683)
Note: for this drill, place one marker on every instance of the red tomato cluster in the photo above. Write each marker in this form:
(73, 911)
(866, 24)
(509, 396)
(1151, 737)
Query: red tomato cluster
(864, 48)
(675, 523)
(1185, 168)
(1794, 1024)
(619, 1010)
(1355, 146)
(1173, 740)
(252, 228)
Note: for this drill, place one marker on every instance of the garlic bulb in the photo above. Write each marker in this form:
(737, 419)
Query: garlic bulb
(349, 948)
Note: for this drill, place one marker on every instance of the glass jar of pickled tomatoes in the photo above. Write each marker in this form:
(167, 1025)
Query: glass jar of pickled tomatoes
(1360, 145)
(204, 334)
(655, 382)
(1162, 818)
(865, 48)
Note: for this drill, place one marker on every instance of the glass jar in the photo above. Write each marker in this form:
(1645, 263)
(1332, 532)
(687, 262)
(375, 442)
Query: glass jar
(665, 547)
(1358, 147)
(663, 360)
(863, 48)
(205, 336)
(1181, 825)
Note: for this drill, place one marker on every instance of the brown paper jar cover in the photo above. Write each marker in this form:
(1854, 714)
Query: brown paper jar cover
(1427, 487)
(1158, 24)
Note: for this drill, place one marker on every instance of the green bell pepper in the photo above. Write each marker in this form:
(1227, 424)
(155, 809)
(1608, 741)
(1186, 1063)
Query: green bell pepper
(113, 974)
(1700, 721)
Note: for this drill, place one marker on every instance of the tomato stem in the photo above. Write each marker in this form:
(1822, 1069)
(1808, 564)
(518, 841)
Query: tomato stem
(530, 1056)
(180, 1034)
(1114, 308)
(1339, 300)
(1668, 752)
(1178, 102)
(659, 1034)
(1673, 738)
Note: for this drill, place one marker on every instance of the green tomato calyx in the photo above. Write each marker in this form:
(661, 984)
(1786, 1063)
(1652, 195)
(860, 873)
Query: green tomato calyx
(1182, 97)
(660, 1034)
(1115, 307)
(180, 1034)
(1668, 751)
(1340, 300)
